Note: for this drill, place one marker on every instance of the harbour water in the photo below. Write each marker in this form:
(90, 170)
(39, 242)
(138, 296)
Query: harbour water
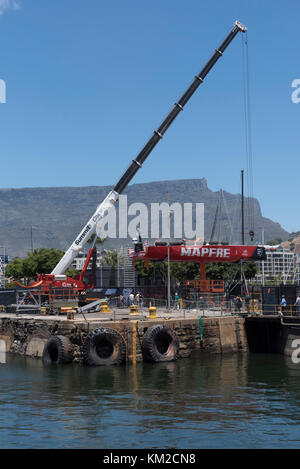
(206, 401)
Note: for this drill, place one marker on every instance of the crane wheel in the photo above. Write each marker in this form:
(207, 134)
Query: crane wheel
(104, 346)
(160, 344)
(58, 350)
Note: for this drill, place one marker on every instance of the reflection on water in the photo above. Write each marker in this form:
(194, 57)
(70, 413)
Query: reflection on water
(2, 351)
(234, 401)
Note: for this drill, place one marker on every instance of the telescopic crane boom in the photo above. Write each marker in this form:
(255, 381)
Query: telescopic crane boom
(136, 164)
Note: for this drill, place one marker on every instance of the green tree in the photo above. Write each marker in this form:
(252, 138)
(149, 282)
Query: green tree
(250, 269)
(40, 261)
(220, 271)
(140, 266)
(182, 271)
(225, 270)
(72, 272)
(15, 269)
(9, 285)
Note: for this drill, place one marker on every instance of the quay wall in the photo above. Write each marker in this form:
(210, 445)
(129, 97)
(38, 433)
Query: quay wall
(215, 335)
(272, 334)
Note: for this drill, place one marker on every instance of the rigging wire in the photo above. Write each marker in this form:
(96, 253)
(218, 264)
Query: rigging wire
(215, 220)
(229, 224)
(219, 233)
(236, 217)
(222, 227)
(248, 132)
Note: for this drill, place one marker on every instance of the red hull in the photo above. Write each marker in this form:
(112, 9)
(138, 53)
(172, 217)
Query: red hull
(204, 253)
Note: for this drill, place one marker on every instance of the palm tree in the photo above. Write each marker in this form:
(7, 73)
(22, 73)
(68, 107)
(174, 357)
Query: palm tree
(112, 258)
(94, 256)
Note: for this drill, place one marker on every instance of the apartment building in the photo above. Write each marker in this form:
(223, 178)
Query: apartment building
(4, 259)
(297, 279)
(280, 266)
(79, 261)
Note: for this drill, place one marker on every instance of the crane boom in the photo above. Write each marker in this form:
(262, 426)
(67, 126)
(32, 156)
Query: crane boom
(136, 164)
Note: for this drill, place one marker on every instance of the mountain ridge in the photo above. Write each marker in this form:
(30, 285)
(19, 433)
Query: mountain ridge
(58, 214)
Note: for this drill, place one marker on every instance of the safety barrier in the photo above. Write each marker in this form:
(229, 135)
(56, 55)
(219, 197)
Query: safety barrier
(31, 301)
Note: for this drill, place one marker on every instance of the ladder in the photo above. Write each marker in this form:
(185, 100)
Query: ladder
(2, 272)
(129, 272)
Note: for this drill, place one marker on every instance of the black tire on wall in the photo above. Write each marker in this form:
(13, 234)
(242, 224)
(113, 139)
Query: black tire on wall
(104, 346)
(58, 350)
(160, 344)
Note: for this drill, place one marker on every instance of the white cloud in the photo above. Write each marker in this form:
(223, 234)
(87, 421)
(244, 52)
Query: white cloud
(8, 4)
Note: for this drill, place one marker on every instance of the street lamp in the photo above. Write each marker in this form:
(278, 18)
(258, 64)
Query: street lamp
(169, 286)
(2, 279)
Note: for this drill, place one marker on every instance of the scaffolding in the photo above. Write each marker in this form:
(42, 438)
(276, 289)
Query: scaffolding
(128, 268)
(3, 262)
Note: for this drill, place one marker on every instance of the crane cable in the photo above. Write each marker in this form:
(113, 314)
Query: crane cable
(224, 233)
(248, 132)
(215, 221)
(229, 225)
(235, 222)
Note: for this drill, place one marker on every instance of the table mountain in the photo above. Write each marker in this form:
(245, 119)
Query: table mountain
(57, 214)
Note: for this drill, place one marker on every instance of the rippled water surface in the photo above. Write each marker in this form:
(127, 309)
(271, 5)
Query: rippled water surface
(235, 401)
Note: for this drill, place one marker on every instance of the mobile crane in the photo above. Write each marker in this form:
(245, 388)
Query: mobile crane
(57, 278)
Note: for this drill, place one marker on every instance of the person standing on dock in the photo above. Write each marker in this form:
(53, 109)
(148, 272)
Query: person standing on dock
(297, 304)
(283, 304)
(131, 299)
(137, 298)
(82, 298)
(238, 304)
(177, 300)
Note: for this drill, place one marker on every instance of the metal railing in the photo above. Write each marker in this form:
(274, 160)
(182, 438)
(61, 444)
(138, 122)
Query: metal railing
(206, 305)
(31, 301)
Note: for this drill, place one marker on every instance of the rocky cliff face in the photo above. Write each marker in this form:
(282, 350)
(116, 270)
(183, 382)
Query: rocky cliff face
(293, 245)
(58, 214)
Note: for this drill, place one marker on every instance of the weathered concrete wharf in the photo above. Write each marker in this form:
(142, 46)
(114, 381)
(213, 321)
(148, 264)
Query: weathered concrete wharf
(272, 334)
(28, 334)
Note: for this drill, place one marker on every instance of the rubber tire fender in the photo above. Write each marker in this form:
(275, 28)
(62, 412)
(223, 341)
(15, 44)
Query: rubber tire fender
(104, 346)
(58, 350)
(160, 344)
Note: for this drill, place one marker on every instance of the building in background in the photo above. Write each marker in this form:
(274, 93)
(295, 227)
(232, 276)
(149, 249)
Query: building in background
(79, 261)
(3, 262)
(280, 266)
(297, 279)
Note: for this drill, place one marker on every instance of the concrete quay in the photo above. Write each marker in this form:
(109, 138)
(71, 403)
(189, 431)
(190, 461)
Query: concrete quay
(27, 334)
(206, 331)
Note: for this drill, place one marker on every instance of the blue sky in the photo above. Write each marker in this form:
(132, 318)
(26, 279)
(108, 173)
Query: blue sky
(88, 81)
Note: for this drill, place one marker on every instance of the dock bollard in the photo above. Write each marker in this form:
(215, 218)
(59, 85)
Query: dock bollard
(104, 307)
(43, 310)
(70, 314)
(65, 309)
(152, 312)
(134, 310)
